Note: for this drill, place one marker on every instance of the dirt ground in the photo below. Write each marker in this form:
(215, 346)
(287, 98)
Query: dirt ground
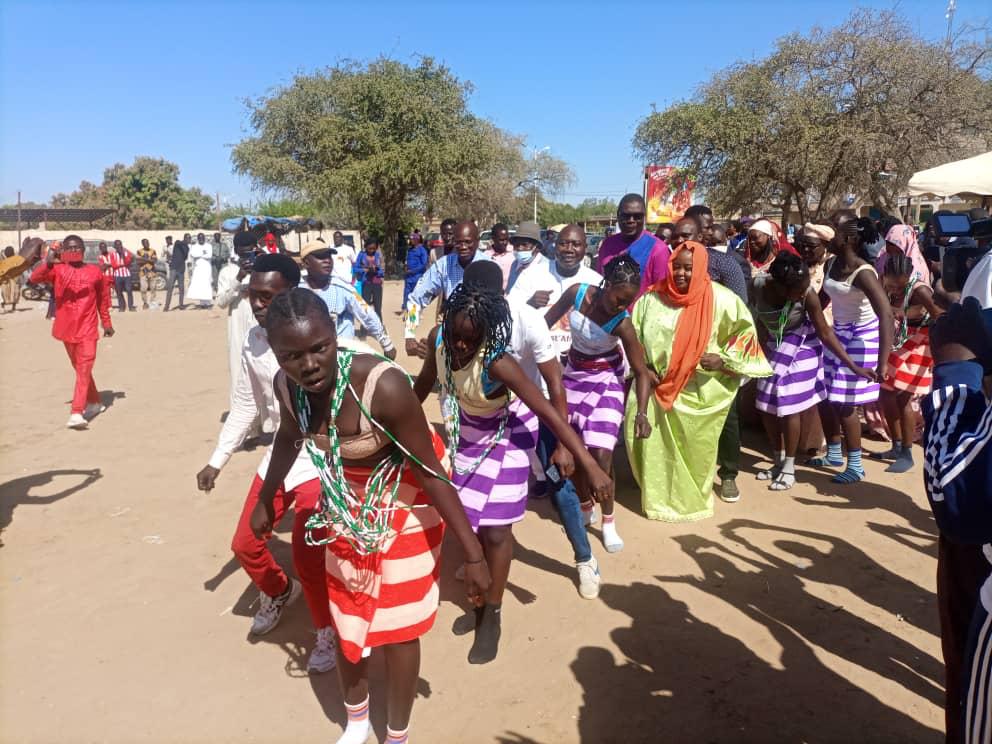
(808, 616)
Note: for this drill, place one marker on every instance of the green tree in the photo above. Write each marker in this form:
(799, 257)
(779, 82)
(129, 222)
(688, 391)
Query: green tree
(855, 109)
(382, 139)
(145, 194)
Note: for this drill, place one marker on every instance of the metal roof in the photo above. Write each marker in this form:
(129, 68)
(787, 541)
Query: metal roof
(54, 214)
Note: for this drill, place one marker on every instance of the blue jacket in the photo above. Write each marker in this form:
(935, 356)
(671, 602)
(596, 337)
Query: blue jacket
(416, 261)
(957, 441)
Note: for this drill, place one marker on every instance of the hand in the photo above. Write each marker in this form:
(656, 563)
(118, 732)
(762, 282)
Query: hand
(540, 299)
(262, 517)
(206, 478)
(416, 348)
(562, 459)
(244, 268)
(960, 334)
(642, 427)
(882, 370)
(652, 378)
(599, 482)
(390, 355)
(108, 332)
(711, 362)
(477, 582)
(866, 374)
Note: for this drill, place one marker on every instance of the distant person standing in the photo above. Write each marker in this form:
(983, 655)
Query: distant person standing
(500, 251)
(370, 268)
(176, 253)
(82, 295)
(146, 273)
(219, 256)
(200, 283)
(447, 240)
(344, 258)
(12, 286)
(416, 264)
(120, 267)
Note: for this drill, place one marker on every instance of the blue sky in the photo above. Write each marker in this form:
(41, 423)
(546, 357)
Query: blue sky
(86, 84)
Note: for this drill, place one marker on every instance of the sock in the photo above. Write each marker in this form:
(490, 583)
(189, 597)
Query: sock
(834, 456)
(890, 454)
(786, 477)
(589, 512)
(358, 728)
(788, 464)
(397, 737)
(772, 472)
(611, 538)
(903, 462)
(854, 471)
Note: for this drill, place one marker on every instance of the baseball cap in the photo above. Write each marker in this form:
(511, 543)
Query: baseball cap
(315, 246)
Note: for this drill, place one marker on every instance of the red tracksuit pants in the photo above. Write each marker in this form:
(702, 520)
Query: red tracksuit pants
(83, 355)
(261, 567)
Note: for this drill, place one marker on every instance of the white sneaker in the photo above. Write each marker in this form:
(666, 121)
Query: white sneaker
(589, 578)
(323, 658)
(270, 612)
(460, 573)
(93, 410)
(590, 517)
(76, 421)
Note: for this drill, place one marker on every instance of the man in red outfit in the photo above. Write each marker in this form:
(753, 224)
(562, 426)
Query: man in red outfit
(81, 293)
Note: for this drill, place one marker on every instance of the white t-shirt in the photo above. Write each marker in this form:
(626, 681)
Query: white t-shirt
(546, 278)
(530, 342)
(344, 262)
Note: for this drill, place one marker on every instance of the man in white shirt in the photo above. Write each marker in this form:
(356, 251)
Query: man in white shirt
(540, 287)
(344, 259)
(272, 274)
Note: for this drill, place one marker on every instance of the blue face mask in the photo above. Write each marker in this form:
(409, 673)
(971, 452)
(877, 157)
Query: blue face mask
(523, 257)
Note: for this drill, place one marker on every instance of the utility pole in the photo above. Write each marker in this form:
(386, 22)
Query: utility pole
(535, 201)
(952, 5)
(18, 220)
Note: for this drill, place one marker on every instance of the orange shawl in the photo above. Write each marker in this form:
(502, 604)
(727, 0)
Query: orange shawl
(694, 324)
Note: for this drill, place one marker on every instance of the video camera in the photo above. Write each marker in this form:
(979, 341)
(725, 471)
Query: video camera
(971, 241)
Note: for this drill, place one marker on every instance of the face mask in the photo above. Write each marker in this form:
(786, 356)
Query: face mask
(523, 257)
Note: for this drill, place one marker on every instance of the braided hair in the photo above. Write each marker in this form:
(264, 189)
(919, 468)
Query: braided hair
(898, 264)
(295, 305)
(621, 269)
(487, 309)
(789, 270)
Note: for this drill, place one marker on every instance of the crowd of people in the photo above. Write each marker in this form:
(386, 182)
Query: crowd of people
(541, 362)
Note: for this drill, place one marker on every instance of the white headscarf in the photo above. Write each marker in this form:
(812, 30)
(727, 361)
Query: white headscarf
(763, 226)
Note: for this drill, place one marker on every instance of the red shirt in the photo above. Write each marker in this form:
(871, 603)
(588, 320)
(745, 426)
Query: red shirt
(81, 293)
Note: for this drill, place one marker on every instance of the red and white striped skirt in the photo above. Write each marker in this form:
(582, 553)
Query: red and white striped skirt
(390, 596)
(911, 365)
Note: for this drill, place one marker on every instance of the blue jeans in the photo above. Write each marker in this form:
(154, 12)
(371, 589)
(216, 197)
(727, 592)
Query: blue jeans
(565, 498)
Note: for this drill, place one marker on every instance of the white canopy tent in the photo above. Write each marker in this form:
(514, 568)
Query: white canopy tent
(969, 176)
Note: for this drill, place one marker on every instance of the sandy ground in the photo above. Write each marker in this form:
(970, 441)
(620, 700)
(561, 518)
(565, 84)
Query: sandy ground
(801, 617)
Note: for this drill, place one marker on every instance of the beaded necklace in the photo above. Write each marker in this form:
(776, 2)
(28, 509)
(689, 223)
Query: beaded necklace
(451, 413)
(363, 522)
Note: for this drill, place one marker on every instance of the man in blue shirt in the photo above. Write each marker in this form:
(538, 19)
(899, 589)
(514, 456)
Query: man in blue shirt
(441, 278)
(416, 264)
(341, 299)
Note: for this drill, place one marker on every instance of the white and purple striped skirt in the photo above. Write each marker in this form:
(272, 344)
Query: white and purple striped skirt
(495, 493)
(797, 374)
(861, 343)
(595, 396)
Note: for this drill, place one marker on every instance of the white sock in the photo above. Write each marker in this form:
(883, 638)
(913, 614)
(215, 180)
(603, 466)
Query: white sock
(611, 538)
(788, 464)
(358, 729)
(780, 456)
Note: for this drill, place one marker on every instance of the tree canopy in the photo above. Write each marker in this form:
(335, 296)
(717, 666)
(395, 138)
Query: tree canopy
(145, 194)
(855, 109)
(380, 142)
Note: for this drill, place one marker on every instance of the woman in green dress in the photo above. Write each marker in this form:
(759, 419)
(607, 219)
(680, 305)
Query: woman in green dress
(701, 340)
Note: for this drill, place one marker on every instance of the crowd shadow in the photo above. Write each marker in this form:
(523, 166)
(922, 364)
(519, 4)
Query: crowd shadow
(17, 492)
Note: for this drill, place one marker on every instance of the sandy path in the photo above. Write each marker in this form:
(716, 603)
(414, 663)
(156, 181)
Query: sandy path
(808, 616)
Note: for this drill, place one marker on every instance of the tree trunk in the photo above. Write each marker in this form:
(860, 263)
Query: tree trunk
(786, 208)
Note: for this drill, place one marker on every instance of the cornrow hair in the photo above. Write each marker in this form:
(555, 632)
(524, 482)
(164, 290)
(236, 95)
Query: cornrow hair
(788, 269)
(295, 305)
(487, 310)
(622, 269)
(898, 264)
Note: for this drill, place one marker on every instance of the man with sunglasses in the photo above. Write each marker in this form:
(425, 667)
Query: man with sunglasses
(342, 301)
(650, 252)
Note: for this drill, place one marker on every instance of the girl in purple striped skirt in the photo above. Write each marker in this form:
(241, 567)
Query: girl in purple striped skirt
(863, 323)
(490, 433)
(594, 372)
(791, 326)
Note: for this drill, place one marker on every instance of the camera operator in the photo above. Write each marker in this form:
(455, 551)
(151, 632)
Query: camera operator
(958, 481)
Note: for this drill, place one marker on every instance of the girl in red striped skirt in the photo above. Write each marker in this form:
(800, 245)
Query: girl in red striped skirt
(385, 502)
(910, 362)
